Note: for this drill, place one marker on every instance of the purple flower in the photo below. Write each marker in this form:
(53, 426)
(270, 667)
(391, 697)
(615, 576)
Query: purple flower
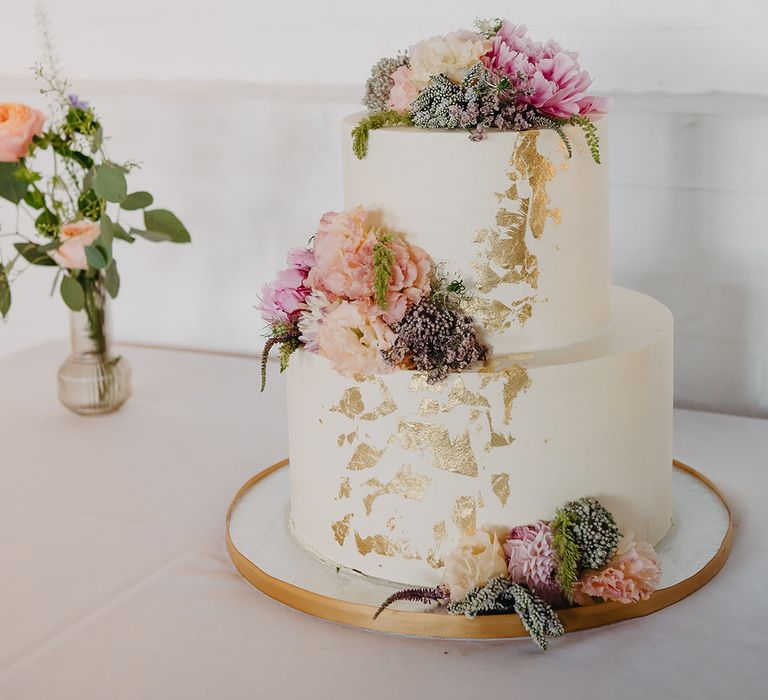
(77, 103)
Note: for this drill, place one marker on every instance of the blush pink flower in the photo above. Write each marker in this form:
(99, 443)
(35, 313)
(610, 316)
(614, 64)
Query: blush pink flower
(75, 237)
(531, 560)
(632, 575)
(344, 268)
(545, 76)
(352, 337)
(403, 91)
(19, 124)
(283, 299)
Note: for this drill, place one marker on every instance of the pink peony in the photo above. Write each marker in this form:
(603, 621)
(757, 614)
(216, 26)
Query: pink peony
(632, 575)
(344, 264)
(404, 91)
(74, 238)
(546, 76)
(532, 560)
(352, 337)
(282, 300)
(19, 124)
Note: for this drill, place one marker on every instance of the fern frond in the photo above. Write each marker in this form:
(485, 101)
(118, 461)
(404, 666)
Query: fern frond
(380, 120)
(567, 553)
(590, 134)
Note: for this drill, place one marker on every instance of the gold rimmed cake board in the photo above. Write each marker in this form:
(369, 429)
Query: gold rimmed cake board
(429, 624)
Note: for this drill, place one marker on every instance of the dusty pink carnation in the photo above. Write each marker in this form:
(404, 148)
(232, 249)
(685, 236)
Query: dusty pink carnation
(352, 337)
(546, 76)
(283, 299)
(344, 264)
(403, 91)
(632, 575)
(531, 560)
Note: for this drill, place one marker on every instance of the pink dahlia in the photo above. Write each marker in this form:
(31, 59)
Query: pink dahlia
(283, 299)
(344, 269)
(404, 90)
(632, 575)
(532, 560)
(544, 76)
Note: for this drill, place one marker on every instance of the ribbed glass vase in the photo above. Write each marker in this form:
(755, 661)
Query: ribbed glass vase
(92, 380)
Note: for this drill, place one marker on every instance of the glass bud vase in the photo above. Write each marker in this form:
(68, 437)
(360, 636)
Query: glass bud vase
(92, 380)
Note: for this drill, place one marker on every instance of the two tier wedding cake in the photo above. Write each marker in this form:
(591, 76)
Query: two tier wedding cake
(459, 364)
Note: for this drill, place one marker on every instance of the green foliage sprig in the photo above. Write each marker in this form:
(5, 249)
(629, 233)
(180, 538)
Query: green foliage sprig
(590, 134)
(287, 337)
(380, 120)
(383, 263)
(567, 553)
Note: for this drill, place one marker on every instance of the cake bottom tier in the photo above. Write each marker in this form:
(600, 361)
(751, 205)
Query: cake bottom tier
(387, 473)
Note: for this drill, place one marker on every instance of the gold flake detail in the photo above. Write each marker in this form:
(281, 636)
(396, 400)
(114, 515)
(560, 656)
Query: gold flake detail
(341, 529)
(449, 455)
(384, 546)
(420, 383)
(340, 439)
(458, 395)
(386, 406)
(516, 380)
(405, 484)
(500, 486)
(345, 489)
(352, 406)
(391, 523)
(439, 531)
(351, 403)
(465, 515)
(364, 457)
(496, 439)
(434, 562)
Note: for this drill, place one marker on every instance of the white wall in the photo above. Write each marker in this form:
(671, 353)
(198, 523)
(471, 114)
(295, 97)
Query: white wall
(233, 108)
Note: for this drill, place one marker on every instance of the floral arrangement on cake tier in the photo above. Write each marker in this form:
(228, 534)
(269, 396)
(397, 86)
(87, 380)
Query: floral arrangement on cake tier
(578, 558)
(494, 77)
(369, 302)
(56, 172)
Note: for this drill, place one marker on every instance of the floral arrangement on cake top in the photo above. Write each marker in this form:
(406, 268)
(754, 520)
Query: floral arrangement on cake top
(495, 77)
(578, 558)
(369, 302)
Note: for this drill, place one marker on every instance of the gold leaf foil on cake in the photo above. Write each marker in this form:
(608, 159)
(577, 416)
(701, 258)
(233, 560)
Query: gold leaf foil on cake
(419, 383)
(449, 455)
(491, 313)
(386, 406)
(480, 500)
(351, 403)
(391, 523)
(496, 439)
(405, 484)
(458, 395)
(384, 546)
(340, 440)
(438, 529)
(345, 488)
(538, 171)
(500, 486)
(364, 457)
(516, 380)
(341, 529)
(465, 515)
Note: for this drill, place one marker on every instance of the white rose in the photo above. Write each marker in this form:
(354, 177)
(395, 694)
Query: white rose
(453, 54)
(478, 559)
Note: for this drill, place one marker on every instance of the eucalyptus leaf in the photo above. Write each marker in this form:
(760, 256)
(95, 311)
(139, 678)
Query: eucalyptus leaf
(35, 254)
(11, 188)
(137, 200)
(5, 293)
(98, 138)
(95, 257)
(106, 229)
(35, 199)
(121, 233)
(88, 179)
(153, 236)
(109, 183)
(163, 221)
(72, 293)
(112, 280)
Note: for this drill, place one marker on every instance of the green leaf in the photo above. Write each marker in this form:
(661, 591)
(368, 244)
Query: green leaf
(161, 221)
(95, 257)
(11, 187)
(72, 293)
(5, 293)
(120, 232)
(86, 162)
(98, 138)
(48, 223)
(90, 206)
(153, 236)
(137, 200)
(34, 254)
(35, 199)
(109, 183)
(88, 179)
(106, 229)
(112, 280)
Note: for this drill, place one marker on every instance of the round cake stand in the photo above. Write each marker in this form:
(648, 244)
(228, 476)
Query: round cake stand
(264, 552)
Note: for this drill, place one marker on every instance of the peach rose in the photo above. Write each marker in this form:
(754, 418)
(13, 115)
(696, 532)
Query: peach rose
(353, 336)
(478, 559)
(403, 91)
(18, 125)
(71, 253)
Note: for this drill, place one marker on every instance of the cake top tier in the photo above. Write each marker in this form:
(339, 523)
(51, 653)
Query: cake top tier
(493, 77)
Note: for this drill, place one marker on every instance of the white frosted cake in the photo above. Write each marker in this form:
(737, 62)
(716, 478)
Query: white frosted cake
(458, 361)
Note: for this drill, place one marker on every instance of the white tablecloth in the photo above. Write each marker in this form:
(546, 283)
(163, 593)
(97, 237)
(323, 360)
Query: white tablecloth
(115, 582)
